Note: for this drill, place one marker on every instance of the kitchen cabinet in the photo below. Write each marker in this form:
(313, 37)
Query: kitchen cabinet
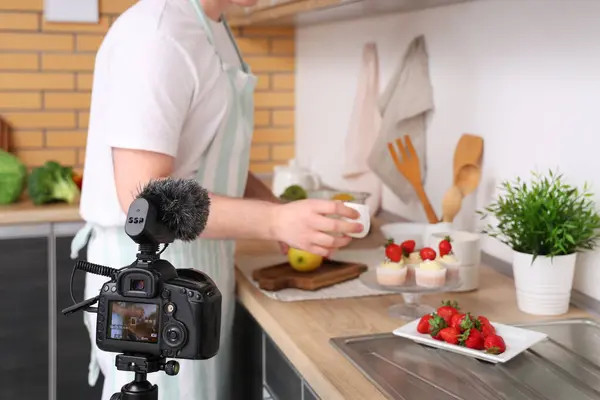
(247, 353)
(72, 339)
(308, 12)
(45, 355)
(24, 318)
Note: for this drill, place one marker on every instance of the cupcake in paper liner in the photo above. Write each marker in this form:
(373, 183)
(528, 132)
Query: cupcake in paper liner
(430, 273)
(391, 273)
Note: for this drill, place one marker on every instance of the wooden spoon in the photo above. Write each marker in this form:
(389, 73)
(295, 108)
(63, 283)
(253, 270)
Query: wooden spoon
(451, 204)
(468, 178)
(467, 163)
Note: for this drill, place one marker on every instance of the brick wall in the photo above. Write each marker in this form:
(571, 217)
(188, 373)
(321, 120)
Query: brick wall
(46, 75)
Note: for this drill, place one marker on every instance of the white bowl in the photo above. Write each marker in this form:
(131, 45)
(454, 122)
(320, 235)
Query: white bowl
(402, 231)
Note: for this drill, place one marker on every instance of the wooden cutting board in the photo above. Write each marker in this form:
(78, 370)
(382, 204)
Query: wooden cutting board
(283, 276)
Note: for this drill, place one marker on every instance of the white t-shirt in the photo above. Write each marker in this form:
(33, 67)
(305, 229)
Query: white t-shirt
(158, 86)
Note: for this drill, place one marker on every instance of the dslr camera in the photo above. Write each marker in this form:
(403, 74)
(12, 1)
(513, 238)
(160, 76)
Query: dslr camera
(152, 308)
(149, 310)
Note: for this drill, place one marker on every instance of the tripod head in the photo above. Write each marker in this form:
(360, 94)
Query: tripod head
(140, 388)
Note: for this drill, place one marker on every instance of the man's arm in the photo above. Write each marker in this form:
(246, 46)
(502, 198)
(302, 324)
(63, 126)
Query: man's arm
(256, 189)
(229, 218)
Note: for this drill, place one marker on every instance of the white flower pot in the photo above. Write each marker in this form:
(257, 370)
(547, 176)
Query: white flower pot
(544, 287)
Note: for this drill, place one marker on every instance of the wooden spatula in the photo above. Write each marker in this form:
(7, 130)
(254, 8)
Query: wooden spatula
(409, 167)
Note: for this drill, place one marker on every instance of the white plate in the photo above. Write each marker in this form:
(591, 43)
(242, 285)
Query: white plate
(517, 340)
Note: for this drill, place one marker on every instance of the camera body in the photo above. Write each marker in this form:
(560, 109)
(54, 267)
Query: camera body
(154, 309)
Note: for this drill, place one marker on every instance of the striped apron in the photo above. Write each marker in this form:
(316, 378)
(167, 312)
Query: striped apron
(224, 171)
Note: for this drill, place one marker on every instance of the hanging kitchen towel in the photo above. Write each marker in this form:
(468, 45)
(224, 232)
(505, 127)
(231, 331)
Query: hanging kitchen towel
(365, 120)
(404, 106)
(365, 123)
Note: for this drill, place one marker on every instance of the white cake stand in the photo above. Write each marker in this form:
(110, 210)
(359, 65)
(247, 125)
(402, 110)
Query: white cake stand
(411, 293)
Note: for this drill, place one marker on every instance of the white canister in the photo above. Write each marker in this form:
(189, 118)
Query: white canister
(469, 278)
(433, 230)
(466, 247)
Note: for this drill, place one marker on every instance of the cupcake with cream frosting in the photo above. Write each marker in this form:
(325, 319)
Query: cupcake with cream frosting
(390, 273)
(430, 273)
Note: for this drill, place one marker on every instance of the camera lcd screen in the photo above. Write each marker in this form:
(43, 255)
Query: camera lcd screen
(134, 322)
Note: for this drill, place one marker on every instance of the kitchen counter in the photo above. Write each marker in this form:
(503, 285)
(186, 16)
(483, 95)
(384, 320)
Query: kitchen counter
(302, 330)
(25, 212)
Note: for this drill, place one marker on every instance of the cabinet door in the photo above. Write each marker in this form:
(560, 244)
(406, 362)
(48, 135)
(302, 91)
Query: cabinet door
(24, 318)
(247, 353)
(281, 377)
(73, 342)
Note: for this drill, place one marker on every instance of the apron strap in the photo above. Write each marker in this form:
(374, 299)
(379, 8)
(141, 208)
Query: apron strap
(207, 28)
(203, 20)
(245, 66)
(80, 240)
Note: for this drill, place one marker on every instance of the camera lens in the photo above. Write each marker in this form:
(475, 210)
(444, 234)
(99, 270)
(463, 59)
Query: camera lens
(137, 284)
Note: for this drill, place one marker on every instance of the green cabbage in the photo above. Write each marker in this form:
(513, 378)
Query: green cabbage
(12, 178)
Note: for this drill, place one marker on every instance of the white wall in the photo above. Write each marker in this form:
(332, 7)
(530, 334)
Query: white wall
(524, 74)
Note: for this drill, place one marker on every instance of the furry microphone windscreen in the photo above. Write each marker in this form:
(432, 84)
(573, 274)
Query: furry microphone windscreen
(182, 205)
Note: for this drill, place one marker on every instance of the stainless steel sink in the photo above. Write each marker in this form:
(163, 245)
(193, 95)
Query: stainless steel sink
(566, 366)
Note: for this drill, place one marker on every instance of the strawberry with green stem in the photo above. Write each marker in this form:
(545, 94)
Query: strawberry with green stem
(445, 247)
(472, 339)
(494, 344)
(447, 310)
(436, 324)
(392, 251)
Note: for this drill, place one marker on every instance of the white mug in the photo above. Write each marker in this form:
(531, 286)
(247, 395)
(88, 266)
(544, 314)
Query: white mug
(364, 219)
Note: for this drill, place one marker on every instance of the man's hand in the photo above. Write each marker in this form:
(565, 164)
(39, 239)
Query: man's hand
(305, 225)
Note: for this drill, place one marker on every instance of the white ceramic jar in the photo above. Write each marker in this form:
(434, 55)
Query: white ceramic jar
(466, 247)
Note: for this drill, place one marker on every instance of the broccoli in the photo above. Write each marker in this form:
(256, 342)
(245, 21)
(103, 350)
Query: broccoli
(52, 183)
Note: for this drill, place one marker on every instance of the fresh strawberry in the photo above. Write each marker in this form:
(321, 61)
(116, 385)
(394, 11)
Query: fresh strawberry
(456, 320)
(464, 322)
(408, 246)
(470, 322)
(393, 251)
(423, 325)
(450, 335)
(483, 320)
(472, 338)
(494, 344)
(436, 324)
(445, 247)
(487, 330)
(447, 310)
(427, 253)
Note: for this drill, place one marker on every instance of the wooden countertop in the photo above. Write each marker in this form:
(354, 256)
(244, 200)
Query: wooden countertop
(25, 212)
(302, 329)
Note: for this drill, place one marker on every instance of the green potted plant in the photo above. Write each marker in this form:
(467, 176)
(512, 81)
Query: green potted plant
(546, 222)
